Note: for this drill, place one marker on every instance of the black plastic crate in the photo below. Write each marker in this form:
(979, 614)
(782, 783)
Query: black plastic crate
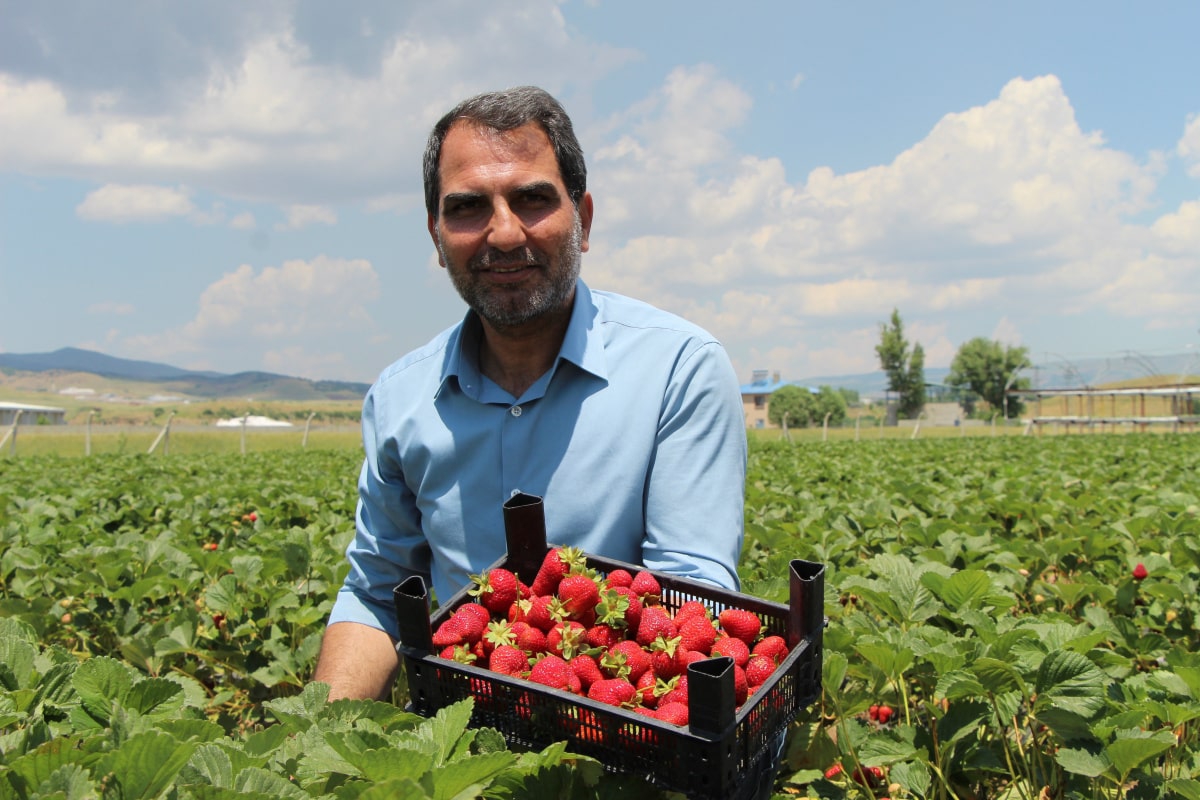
(721, 750)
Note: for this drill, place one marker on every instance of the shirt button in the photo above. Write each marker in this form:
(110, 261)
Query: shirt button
(516, 411)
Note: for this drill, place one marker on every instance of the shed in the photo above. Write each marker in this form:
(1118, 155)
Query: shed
(31, 414)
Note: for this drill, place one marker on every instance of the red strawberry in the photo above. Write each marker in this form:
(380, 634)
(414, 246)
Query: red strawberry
(741, 686)
(461, 653)
(683, 657)
(655, 622)
(678, 692)
(672, 712)
(774, 647)
(1140, 572)
(498, 632)
(691, 608)
(463, 627)
(697, 633)
(477, 611)
(631, 656)
(603, 637)
(633, 612)
(873, 713)
(552, 671)
(662, 657)
(646, 686)
(557, 563)
(496, 590)
(587, 668)
(509, 660)
(833, 772)
(759, 670)
(646, 586)
(530, 639)
(545, 611)
(579, 595)
(613, 691)
(567, 639)
(741, 624)
(734, 648)
(869, 776)
(618, 577)
(884, 713)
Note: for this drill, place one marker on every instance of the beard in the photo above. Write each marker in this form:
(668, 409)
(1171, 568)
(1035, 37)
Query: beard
(505, 309)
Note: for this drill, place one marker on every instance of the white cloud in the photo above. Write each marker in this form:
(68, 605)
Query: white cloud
(243, 222)
(1189, 146)
(299, 304)
(140, 203)
(302, 216)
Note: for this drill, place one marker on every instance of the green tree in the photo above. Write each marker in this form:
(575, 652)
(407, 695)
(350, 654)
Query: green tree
(832, 402)
(989, 369)
(791, 406)
(904, 366)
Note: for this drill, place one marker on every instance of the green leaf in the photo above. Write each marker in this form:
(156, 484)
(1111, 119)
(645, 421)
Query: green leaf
(154, 696)
(223, 596)
(1186, 788)
(1081, 762)
(913, 777)
(1134, 747)
(17, 656)
(963, 589)
(254, 780)
(147, 763)
(100, 682)
(997, 676)
(70, 781)
(1069, 681)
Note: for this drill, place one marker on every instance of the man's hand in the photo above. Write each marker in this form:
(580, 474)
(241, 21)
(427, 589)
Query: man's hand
(357, 661)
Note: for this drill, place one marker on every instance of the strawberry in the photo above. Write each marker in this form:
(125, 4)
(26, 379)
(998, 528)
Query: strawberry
(683, 657)
(734, 648)
(672, 712)
(646, 686)
(655, 622)
(884, 713)
(631, 656)
(567, 638)
(509, 660)
(1140, 572)
(552, 671)
(579, 595)
(662, 657)
(545, 611)
(678, 693)
(869, 776)
(613, 606)
(530, 639)
(498, 632)
(758, 670)
(613, 691)
(603, 637)
(496, 590)
(833, 772)
(587, 668)
(461, 653)
(697, 633)
(775, 647)
(463, 627)
(741, 624)
(618, 577)
(691, 608)
(741, 686)
(557, 563)
(633, 612)
(646, 587)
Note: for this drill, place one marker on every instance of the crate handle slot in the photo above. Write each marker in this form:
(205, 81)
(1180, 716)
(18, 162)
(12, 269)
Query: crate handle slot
(806, 590)
(525, 532)
(412, 613)
(710, 685)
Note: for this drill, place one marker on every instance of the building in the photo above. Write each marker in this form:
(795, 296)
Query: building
(31, 415)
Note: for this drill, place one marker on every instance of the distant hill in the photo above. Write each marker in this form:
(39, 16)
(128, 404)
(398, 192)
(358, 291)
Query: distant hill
(201, 384)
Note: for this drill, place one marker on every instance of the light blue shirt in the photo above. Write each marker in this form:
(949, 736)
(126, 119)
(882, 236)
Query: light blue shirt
(635, 439)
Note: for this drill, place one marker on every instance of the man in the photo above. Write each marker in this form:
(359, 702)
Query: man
(626, 420)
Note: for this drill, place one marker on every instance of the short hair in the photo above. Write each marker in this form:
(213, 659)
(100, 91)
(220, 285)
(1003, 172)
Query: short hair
(505, 111)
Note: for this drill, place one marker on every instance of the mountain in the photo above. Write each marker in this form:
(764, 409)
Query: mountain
(193, 383)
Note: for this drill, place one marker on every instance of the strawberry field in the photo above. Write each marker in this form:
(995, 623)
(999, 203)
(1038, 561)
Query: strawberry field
(1008, 618)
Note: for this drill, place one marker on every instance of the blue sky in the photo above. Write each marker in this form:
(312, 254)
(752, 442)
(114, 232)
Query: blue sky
(235, 186)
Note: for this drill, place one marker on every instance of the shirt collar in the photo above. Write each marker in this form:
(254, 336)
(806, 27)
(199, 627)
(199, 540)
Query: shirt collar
(582, 345)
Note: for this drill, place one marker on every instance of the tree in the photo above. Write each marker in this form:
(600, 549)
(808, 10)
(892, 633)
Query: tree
(791, 407)
(905, 366)
(832, 402)
(989, 369)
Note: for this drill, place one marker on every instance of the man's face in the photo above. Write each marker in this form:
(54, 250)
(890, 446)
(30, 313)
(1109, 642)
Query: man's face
(507, 232)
